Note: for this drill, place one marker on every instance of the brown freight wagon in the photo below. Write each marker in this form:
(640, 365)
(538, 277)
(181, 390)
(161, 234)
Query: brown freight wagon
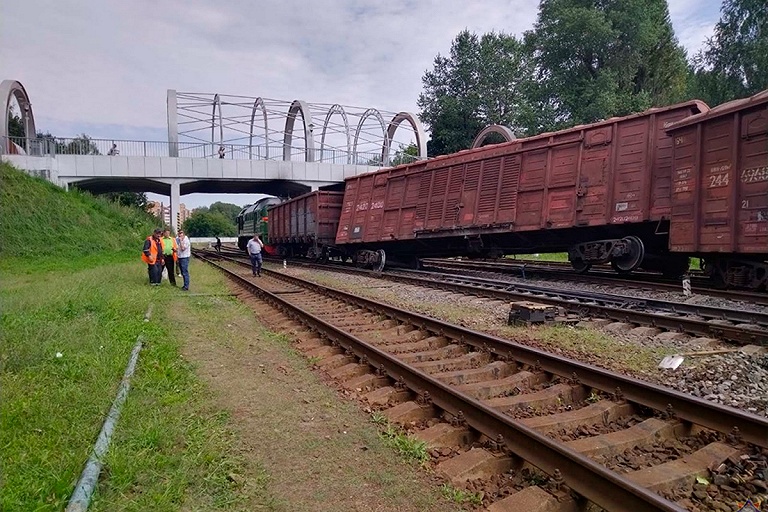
(303, 226)
(720, 190)
(601, 191)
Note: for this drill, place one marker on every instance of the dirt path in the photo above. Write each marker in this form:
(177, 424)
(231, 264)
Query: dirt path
(304, 446)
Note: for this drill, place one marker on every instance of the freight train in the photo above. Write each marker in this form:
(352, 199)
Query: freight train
(649, 190)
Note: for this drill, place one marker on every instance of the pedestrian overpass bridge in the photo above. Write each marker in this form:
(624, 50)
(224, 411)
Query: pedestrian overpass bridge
(221, 143)
(177, 176)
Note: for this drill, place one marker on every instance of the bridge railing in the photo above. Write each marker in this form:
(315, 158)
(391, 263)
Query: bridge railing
(44, 146)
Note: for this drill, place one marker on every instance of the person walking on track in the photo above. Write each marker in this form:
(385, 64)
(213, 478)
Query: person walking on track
(255, 245)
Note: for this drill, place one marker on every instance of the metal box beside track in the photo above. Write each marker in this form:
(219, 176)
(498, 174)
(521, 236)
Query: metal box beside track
(303, 225)
(542, 193)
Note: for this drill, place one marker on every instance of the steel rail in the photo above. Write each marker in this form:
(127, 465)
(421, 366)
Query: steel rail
(617, 310)
(624, 301)
(752, 428)
(584, 476)
(640, 281)
(614, 307)
(614, 312)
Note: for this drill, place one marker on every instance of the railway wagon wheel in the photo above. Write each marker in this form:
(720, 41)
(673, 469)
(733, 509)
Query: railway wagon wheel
(631, 259)
(382, 261)
(580, 266)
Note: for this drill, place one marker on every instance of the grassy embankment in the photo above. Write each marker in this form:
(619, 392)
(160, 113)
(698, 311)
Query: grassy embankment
(73, 302)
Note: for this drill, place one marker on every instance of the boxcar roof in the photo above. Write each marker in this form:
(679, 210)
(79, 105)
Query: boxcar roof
(721, 110)
(492, 148)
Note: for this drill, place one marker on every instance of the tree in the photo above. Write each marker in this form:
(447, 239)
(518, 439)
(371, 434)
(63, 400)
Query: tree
(228, 210)
(80, 145)
(734, 62)
(403, 155)
(482, 82)
(131, 199)
(15, 124)
(601, 58)
(206, 223)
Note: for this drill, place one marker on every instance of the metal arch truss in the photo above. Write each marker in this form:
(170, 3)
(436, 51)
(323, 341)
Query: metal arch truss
(336, 109)
(418, 130)
(10, 89)
(498, 129)
(241, 134)
(309, 127)
(385, 144)
(259, 102)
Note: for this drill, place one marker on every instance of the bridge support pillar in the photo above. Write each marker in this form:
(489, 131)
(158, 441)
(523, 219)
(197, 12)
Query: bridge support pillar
(175, 200)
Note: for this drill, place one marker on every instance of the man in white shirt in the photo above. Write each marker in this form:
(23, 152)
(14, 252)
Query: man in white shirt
(254, 251)
(185, 251)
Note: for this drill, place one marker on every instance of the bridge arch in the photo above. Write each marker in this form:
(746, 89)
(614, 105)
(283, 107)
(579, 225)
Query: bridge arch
(336, 109)
(309, 139)
(12, 89)
(259, 102)
(499, 129)
(418, 129)
(368, 113)
(216, 103)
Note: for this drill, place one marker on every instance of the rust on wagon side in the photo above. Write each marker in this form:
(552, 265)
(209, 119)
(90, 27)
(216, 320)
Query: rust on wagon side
(528, 195)
(720, 173)
(303, 225)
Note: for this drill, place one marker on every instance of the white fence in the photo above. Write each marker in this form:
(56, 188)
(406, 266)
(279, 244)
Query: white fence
(209, 239)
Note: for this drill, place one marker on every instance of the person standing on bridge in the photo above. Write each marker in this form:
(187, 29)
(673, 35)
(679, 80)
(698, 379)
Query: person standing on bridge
(113, 151)
(152, 255)
(255, 245)
(222, 151)
(170, 254)
(185, 251)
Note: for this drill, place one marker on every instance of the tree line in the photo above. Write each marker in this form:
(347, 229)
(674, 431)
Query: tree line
(586, 60)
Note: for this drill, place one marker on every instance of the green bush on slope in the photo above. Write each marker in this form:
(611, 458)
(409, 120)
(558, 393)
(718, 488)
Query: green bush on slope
(42, 221)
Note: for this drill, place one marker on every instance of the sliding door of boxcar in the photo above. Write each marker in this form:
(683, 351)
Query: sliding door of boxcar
(561, 186)
(717, 220)
(594, 176)
(752, 202)
(435, 201)
(530, 197)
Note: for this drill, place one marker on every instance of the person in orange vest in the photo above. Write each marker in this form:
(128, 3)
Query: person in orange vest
(170, 253)
(152, 255)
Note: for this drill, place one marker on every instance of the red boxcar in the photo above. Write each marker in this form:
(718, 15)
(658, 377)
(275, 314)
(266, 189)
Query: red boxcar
(304, 225)
(601, 191)
(720, 194)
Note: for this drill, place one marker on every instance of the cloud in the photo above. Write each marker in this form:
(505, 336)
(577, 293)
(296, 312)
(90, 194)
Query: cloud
(108, 64)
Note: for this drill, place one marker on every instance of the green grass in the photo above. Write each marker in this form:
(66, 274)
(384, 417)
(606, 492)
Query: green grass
(43, 224)
(170, 447)
(409, 448)
(552, 256)
(460, 496)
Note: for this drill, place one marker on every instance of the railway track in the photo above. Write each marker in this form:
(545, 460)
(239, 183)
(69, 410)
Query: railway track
(485, 405)
(741, 327)
(558, 271)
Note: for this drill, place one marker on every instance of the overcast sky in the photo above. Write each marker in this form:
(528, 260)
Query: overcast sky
(103, 68)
